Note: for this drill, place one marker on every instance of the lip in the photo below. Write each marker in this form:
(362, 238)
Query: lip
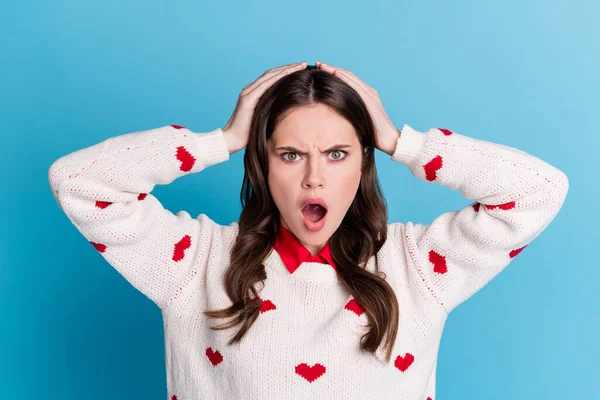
(313, 200)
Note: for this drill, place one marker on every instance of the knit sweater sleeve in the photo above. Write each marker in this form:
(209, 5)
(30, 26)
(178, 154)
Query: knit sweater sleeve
(516, 196)
(105, 191)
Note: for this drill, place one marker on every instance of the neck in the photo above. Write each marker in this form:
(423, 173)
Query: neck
(314, 249)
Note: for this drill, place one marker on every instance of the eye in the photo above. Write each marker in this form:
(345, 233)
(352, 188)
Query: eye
(289, 160)
(338, 151)
(295, 156)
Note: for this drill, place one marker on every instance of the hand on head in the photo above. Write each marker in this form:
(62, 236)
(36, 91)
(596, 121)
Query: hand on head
(237, 129)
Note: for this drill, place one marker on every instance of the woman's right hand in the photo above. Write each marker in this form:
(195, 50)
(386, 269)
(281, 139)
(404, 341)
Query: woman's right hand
(237, 130)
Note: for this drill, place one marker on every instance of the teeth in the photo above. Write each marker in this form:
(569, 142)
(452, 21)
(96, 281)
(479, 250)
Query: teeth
(314, 206)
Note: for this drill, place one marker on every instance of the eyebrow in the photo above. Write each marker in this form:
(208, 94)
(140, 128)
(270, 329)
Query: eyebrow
(302, 153)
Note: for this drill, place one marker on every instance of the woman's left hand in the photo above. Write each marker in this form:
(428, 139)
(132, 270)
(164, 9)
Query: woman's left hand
(386, 134)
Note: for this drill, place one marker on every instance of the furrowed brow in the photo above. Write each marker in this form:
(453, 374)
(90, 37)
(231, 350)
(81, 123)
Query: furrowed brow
(303, 153)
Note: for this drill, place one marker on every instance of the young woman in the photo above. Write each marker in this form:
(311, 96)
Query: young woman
(314, 294)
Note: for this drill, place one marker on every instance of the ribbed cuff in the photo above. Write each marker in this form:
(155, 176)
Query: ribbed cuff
(409, 146)
(212, 147)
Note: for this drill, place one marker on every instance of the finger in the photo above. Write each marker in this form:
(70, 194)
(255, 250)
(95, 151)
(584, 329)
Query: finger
(264, 84)
(359, 82)
(352, 82)
(347, 76)
(269, 73)
(334, 68)
(287, 66)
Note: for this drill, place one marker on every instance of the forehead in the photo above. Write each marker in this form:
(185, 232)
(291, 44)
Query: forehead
(313, 123)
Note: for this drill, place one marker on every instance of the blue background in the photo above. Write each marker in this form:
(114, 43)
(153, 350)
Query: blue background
(75, 73)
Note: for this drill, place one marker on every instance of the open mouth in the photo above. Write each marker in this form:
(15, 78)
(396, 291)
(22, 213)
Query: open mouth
(314, 212)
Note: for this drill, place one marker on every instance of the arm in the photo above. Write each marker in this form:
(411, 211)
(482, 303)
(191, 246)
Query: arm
(516, 196)
(105, 192)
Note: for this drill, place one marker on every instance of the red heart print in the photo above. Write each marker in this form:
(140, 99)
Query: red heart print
(446, 132)
(513, 253)
(267, 305)
(353, 306)
(310, 373)
(178, 126)
(186, 158)
(402, 363)
(214, 357)
(180, 248)
(506, 206)
(174, 397)
(100, 247)
(103, 204)
(438, 261)
(432, 167)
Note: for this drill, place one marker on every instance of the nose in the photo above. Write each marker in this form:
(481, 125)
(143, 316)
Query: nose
(314, 175)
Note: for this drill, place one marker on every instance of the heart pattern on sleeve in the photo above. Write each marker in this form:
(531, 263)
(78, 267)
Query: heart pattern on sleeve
(100, 247)
(432, 167)
(436, 163)
(104, 204)
(438, 261)
(180, 248)
(186, 158)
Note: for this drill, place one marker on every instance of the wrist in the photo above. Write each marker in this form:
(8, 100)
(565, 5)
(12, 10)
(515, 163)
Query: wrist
(231, 142)
(390, 146)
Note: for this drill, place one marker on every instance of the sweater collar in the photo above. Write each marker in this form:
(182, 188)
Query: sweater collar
(293, 253)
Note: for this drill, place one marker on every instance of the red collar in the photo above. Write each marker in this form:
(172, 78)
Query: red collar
(293, 253)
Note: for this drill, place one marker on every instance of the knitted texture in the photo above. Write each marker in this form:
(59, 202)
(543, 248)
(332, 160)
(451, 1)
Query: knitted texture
(305, 343)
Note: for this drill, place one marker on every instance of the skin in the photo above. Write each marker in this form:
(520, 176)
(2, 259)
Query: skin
(333, 176)
(312, 130)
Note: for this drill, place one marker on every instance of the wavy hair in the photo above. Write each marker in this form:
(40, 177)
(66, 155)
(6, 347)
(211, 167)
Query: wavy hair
(361, 234)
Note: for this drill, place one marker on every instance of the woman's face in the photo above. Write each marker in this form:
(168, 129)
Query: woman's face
(311, 171)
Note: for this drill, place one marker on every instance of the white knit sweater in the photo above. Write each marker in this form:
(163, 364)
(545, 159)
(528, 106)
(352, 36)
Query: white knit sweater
(305, 343)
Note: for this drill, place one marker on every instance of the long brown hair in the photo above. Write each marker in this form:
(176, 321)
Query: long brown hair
(361, 234)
